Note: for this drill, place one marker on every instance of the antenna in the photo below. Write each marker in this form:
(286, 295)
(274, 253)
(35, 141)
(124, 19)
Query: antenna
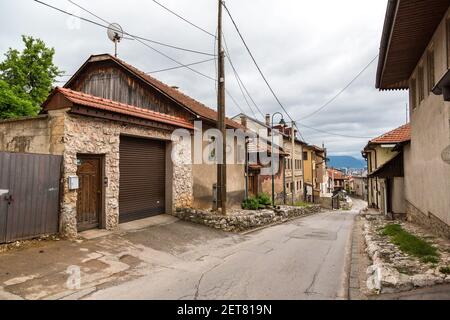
(115, 34)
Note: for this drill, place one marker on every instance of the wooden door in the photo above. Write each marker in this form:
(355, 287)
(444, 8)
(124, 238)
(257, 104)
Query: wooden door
(89, 201)
(253, 185)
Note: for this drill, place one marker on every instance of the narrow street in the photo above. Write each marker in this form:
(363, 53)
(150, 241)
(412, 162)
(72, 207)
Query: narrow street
(172, 259)
(302, 259)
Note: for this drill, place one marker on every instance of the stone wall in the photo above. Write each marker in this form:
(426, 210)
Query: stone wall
(429, 221)
(85, 135)
(243, 220)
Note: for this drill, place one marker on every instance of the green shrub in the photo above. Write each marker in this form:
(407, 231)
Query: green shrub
(445, 270)
(411, 244)
(250, 204)
(264, 199)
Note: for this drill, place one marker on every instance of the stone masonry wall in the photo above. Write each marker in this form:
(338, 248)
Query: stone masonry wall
(427, 221)
(85, 135)
(244, 220)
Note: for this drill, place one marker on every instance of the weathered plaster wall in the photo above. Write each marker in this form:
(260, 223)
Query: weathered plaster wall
(42, 134)
(94, 136)
(427, 181)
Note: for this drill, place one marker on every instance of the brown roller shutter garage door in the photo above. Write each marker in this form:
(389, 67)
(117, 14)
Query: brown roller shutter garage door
(142, 178)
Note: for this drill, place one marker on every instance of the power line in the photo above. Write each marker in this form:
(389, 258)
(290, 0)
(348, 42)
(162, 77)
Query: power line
(257, 66)
(126, 33)
(240, 82)
(184, 19)
(335, 134)
(341, 91)
(159, 52)
(178, 67)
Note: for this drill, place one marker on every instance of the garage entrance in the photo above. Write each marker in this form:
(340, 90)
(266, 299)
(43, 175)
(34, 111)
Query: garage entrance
(142, 178)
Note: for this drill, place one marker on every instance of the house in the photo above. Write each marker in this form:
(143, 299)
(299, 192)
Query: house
(415, 56)
(358, 185)
(385, 170)
(337, 180)
(114, 126)
(314, 159)
(289, 178)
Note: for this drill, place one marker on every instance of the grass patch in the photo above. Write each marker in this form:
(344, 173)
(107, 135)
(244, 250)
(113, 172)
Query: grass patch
(301, 204)
(411, 244)
(445, 270)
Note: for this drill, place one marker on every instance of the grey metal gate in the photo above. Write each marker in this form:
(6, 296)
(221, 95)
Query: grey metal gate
(29, 195)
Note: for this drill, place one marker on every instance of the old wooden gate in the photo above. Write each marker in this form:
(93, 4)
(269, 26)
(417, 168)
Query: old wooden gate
(29, 195)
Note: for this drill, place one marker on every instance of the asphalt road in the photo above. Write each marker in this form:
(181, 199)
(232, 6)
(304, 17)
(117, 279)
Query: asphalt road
(306, 258)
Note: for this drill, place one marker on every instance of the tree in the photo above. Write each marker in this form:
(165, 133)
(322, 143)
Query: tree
(26, 78)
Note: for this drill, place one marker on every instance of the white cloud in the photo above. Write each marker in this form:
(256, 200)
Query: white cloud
(309, 50)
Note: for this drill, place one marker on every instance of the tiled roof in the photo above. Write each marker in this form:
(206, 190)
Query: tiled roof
(188, 102)
(399, 135)
(338, 175)
(87, 100)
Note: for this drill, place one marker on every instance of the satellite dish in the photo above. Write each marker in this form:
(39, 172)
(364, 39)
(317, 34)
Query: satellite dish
(115, 34)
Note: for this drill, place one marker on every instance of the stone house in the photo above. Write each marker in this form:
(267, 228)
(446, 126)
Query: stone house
(114, 126)
(415, 56)
(289, 178)
(385, 170)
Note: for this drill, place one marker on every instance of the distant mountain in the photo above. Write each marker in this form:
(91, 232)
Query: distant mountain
(348, 162)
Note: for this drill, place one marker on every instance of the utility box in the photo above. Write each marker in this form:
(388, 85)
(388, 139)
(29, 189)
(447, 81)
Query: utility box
(74, 183)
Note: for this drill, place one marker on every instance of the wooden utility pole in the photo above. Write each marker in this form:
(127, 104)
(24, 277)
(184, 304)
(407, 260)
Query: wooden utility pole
(293, 161)
(221, 126)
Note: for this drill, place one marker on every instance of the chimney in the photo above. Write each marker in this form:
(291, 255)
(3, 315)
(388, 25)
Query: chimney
(268, 120)
(244, 121)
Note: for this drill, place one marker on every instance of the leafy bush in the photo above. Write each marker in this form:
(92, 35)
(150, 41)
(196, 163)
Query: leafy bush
(260, 202)
(250, 204)
(264, 199)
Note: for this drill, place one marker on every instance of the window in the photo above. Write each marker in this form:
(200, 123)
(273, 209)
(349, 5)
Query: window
(430, 70)
(421, 84)
(305, 156)
(413, 93)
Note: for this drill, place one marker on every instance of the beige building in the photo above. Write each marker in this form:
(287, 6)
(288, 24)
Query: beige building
(289, 179)
(113, 125)
(415, 55)
(385, 170)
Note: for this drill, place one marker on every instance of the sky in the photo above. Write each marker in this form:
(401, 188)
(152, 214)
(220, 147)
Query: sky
(308, 50)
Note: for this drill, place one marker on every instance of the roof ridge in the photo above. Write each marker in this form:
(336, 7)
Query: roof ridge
(86, 96)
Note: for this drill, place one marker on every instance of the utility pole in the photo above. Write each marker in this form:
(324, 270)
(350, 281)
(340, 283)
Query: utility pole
(221, 126)
(293, 161)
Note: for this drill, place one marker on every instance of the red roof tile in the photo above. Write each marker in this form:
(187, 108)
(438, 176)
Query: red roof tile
(87, 100)
(188, 102)
(399, 135)
(338, 175)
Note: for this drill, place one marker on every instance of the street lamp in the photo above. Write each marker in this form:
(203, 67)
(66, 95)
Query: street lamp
(282, 123)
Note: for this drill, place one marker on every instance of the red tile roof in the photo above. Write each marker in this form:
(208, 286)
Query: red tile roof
(87, 100)
(399, 135)
(188, 102)
(338, 175)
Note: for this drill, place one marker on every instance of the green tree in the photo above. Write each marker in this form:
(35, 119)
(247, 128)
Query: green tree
(26, 78)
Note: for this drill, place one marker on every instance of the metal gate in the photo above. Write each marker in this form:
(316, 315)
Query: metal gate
(29, 195)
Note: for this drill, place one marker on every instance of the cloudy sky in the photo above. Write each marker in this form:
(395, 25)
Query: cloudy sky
(308, 50)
